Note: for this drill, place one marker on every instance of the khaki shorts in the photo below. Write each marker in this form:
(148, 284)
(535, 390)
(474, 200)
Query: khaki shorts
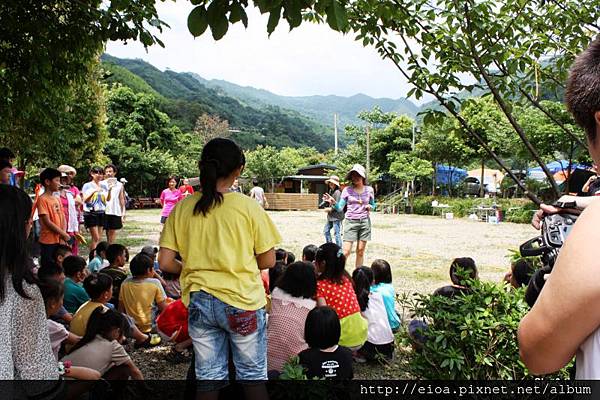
(357, 229)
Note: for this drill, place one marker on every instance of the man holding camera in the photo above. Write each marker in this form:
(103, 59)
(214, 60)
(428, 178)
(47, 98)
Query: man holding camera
(565, 319)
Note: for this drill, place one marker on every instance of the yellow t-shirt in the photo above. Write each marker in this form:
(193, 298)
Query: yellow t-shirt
(82, 316)
(219, 250)
(138, 297)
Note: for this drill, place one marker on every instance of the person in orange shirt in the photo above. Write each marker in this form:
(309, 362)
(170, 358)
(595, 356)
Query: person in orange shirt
(52, 218)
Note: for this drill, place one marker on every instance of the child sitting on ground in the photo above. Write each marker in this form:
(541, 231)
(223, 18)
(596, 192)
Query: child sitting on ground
(519, 274)
(291, 258)
(139, 293)
(334, 288)
(75, 272)
(100, 348)
(325, 358)
(461, 270)
(309, 252)
(61, 252)
(99, 288)
(382, 284)
(172, 324)
(152, 252)
(380, 339)
(52, 293)
(55, 272)
(291, 302)
(116, 255)
(98, 259)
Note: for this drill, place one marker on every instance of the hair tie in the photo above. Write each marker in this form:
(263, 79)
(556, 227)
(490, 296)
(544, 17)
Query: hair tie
(340, 253)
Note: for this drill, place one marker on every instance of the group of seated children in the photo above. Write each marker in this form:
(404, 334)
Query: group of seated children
(91, 313)
(327, 317)
(318, 312)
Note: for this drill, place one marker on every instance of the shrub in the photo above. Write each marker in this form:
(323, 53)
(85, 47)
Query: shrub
(422, 205)
(515, 210)
(473, 336)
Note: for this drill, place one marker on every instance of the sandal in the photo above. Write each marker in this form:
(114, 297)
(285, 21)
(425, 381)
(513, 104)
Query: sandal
(151, 341)
(178, 357)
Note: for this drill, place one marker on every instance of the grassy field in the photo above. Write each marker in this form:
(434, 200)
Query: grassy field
(419, 248)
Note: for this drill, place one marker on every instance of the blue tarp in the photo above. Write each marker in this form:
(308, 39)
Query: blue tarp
(553, 167)
(445, 172)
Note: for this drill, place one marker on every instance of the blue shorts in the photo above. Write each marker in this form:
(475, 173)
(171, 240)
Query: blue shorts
(214, 324)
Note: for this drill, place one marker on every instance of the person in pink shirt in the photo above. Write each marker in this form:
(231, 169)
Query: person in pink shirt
(168, 198)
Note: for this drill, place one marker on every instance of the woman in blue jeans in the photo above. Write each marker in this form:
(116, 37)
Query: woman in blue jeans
(224, 239)
(334, 217)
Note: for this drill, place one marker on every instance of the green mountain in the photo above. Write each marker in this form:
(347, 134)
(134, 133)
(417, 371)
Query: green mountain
(321, 108)
(183, 97)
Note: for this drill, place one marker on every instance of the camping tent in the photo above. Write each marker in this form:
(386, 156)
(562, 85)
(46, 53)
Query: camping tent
(491, 177)
(446, 174)
(554, 167)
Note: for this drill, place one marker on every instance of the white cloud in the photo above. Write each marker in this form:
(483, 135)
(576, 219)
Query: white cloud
(309, 60)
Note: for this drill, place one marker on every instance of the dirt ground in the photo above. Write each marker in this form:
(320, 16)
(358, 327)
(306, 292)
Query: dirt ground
(419, 248)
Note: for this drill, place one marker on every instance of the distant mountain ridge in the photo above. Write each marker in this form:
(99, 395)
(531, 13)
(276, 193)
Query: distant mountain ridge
(319, 107)
(184, 98)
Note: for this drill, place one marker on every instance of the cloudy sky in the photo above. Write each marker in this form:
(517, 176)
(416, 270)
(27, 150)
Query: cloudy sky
(310, 60)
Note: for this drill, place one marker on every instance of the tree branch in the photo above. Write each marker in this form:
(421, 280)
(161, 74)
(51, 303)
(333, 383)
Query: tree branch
(501, 103)
(429, 89)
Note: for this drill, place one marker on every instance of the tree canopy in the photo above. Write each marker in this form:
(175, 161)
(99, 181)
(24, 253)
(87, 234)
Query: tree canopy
(444, 48)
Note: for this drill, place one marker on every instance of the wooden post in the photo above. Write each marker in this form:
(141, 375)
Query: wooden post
(335, 132)
(368, 151)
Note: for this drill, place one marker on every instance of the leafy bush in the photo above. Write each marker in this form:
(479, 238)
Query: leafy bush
(422, 205)
(520, 215)
(515, 210)
(473, 336)
(292, 370)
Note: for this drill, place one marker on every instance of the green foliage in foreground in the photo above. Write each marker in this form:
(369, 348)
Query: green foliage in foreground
(469, 337)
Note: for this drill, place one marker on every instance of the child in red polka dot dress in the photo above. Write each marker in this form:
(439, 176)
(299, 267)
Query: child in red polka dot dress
(334, 288)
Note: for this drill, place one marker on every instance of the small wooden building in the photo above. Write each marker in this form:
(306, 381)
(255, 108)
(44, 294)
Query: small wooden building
(311, 179)
(303, 191)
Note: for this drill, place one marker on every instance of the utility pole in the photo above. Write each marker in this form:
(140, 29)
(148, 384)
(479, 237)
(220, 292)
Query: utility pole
(335, 131)
(368, 150)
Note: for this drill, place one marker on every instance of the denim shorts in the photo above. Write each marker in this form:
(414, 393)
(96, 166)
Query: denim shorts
(213, 325)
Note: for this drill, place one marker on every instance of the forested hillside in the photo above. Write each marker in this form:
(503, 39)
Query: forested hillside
(184, 99)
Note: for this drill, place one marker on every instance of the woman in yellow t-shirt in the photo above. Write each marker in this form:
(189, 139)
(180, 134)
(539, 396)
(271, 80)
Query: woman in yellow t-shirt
(224, 239)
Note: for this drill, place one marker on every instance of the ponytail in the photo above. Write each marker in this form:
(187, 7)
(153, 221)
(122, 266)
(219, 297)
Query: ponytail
(208, 180)
(362, 278)
(335, 262)
(220, 157)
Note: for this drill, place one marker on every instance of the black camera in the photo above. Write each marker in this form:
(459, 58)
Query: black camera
(323, 203)
(554, 232)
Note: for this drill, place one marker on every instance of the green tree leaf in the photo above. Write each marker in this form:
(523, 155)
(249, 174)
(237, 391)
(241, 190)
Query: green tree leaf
(197, 21)
(337, 17)
(274, 17)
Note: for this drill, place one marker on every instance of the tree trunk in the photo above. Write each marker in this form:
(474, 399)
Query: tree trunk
(503, 106)
(434, 178)
(481, 187)
(450, 107)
